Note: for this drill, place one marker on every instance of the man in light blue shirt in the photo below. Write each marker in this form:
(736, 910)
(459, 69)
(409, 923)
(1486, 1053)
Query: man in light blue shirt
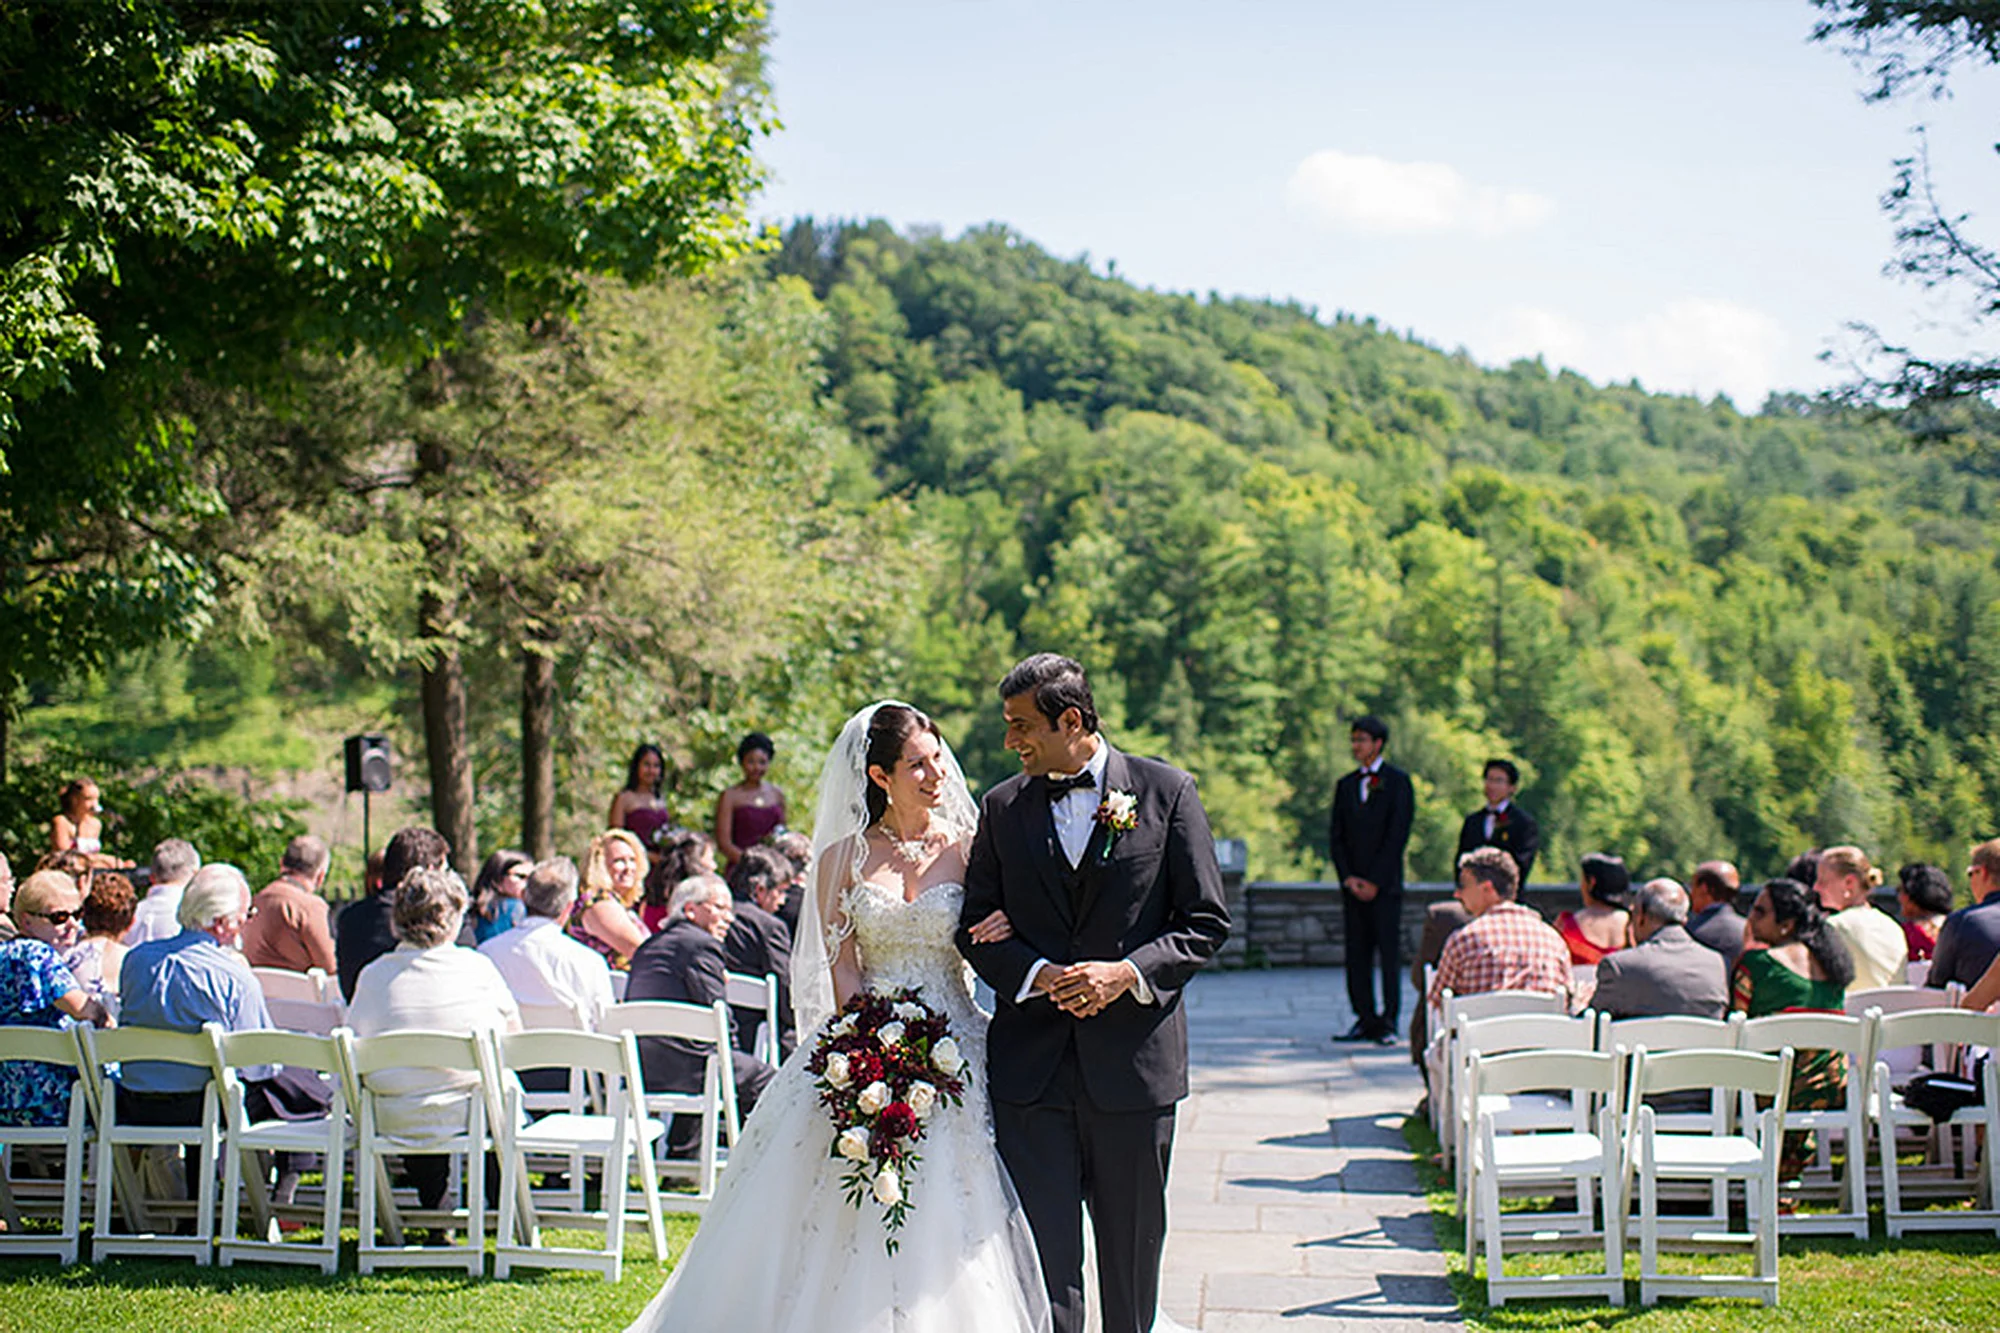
(180, 983)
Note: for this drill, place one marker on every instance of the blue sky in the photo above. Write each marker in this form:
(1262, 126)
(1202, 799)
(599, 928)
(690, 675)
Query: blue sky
(1684, 192)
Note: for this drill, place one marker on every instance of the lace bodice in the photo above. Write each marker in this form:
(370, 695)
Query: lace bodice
(909, 943)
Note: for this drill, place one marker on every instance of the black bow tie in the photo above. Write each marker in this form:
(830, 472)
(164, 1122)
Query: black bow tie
(1061, 787)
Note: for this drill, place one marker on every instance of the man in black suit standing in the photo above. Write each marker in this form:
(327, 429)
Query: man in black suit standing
(1105, 867)
(1369, 828)
(1500, 822)
(684, 961)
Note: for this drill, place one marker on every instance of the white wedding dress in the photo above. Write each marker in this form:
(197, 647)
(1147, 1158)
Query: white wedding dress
(782, 1251)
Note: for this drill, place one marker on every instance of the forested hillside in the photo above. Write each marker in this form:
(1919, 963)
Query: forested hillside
(1700, 632)
(734, 501)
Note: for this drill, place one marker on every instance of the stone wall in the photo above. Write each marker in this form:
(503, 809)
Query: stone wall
(1299, 924)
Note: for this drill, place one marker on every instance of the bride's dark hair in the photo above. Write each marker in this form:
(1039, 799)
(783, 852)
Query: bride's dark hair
(889, 730)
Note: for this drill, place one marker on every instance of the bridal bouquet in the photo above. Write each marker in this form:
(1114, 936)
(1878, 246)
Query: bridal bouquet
(884, 1065)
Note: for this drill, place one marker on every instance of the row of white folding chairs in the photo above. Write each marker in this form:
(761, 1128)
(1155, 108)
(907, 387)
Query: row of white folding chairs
(1615, 1148)
(496, 1121)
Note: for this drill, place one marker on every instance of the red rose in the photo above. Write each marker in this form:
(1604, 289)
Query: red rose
(897, 1119)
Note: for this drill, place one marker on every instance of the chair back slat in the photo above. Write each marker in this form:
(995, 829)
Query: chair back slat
(415, 1049)
(664, 1018)
(598, 1053)
(553, 1017)
(312, 1017)
(50, 1046)
(1806, 1032)
(1672, 1032)
(1485, 1004)
(1709, 1069)
(1523, 1032)
(1935, 1027)
(1893, 999)
(118, 1045)
(1544, 1071)
(300, 1050)
(281, 983)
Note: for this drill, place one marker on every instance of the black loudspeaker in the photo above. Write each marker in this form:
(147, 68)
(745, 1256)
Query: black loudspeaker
(368, 767)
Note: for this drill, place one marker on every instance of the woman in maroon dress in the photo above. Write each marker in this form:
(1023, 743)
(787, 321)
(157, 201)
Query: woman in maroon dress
(638, 806)
(750, 811)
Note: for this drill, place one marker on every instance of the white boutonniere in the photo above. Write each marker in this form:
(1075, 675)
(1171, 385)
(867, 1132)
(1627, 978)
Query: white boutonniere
(1119, 813)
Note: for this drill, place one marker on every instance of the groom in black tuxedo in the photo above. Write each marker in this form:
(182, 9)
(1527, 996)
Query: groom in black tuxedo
(1370, 826)
(1105, 867)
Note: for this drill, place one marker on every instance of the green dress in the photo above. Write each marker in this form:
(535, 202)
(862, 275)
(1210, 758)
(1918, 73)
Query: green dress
(1763, 985)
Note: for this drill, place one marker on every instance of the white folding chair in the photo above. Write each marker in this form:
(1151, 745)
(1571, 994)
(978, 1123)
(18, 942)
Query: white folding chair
(1906, 1061)
(759, 993)
(1527, 1110)
(106, 1049)
(578, 1094)
(1440, 1057)
(1947, 1032)
(281, 983)
(1917, 972)
(1583, 1152)
(50, 1046)
(622, 1138)
(1717, 1158)
(1852, 1038)
(1680, 1032)
(329, 1135)
(618, 980)
(459, 1052)
(318, 1018)
(715, 1104)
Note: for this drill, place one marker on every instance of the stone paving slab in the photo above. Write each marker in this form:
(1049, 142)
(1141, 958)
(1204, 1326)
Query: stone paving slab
(1292, 1202)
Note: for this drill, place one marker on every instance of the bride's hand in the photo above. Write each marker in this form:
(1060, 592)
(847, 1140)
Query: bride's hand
(992, 930)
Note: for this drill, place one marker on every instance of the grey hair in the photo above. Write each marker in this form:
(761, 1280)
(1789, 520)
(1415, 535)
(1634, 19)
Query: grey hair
(551, 887)
(304, 855)
(696, 889)
(174, 861)
(217, 890)
(428, 907)
(1664, 900)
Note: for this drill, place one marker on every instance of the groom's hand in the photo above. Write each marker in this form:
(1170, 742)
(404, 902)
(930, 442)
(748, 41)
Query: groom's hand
(1083, 989)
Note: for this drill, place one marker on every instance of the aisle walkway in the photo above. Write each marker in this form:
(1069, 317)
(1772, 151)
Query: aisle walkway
(1293, 1205)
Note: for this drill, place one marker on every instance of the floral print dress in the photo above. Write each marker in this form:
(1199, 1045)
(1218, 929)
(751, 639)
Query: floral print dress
(32, 978)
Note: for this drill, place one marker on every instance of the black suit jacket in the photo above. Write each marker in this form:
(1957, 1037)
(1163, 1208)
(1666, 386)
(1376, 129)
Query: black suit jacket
(1720, 927)
(1520, 837)
(1154, 897)
(758, 943)
(680, 962)
(1367, 838)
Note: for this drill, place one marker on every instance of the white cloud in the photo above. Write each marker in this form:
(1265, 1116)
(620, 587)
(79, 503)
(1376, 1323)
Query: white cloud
(1372, 194)
(1698, 345)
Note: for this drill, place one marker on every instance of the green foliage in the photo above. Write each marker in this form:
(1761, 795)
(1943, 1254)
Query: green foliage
(142, 811)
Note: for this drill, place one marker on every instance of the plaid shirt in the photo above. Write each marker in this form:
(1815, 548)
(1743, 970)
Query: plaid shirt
(1507, 947)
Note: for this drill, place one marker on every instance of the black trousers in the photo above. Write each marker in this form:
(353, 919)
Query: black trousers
(1064, 1155)
(1374, 943)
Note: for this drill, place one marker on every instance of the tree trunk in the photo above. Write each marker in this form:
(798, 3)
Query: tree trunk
(538, 753)
(446, 743)
(6, 722)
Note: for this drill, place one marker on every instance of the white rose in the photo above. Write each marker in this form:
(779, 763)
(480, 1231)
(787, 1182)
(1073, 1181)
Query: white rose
(922, 1099)
(946, 1057)
(853, 1144)
(890, 1034)
(908, 1012)
(837, 1072)
(888, 1187)
(843, 1027)
(874, 1097)
(1120, 805)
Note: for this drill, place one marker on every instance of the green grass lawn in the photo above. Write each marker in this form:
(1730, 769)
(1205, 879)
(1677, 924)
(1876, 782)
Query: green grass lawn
(1913, 1285)
(169, 1297)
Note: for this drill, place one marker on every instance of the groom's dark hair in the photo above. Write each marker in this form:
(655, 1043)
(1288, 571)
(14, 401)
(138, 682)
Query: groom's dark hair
(1058, 684)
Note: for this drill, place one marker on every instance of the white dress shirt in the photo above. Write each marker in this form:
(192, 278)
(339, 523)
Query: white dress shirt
(542, 965)
(155, 918)
(1491, 812)
(1364, 784)
(1074, 813)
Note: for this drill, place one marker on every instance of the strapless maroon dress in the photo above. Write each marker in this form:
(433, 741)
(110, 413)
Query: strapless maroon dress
(751, 824)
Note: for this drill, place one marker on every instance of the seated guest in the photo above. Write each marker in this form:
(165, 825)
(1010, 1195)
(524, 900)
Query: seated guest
(496, 894)
(428, 981)
(1441, 922)
(1505, 946)
(1969, 939)
(289, 927)
(199, 977)
(363, 932)
(542, 965)
(37, 991)
(795, 847)
(107, 915)
(1665, 971)
(1873, 938)
(682, 853)
(76, 826)
(758, 942)
(157, 916)
(1923, 896)
(1803, 966)
(1501, 823)
(605, 918)
(1606, 887)
(685, 962)
(1714, 920)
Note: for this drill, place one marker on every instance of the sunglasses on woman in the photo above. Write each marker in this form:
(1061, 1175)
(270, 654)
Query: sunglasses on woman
(61, 918)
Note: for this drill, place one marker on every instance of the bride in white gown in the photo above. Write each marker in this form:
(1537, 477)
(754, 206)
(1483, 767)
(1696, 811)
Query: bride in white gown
(781, 1250)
